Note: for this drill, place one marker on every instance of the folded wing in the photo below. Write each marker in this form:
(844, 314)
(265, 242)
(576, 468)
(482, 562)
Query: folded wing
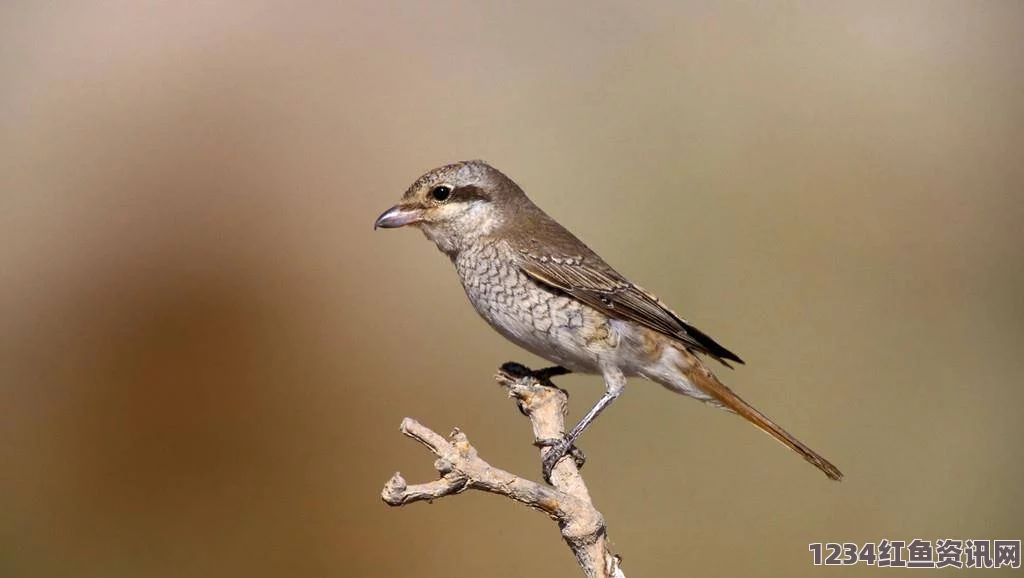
(594, 282)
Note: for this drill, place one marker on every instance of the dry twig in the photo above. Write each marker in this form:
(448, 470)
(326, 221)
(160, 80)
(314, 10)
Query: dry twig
(566, 500)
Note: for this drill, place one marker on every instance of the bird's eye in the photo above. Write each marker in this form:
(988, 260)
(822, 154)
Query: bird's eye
(441, 193)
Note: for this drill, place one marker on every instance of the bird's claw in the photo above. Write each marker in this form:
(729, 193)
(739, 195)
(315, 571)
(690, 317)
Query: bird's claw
(543, 376)
(516, 370)
(559, 448)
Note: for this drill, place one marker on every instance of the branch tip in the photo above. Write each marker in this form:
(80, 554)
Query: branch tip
(568, 502)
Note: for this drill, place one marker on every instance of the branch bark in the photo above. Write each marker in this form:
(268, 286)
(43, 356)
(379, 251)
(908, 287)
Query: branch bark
(566, 500)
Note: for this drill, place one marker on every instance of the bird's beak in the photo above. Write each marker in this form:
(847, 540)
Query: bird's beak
(398, 216)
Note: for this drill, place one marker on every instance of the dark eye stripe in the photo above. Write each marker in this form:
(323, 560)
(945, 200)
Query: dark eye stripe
(470, 193)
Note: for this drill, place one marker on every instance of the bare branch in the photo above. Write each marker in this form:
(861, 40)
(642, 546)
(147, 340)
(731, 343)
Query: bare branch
(566, 501)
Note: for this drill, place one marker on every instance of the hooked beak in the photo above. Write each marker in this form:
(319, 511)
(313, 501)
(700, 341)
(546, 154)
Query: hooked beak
(398, 216)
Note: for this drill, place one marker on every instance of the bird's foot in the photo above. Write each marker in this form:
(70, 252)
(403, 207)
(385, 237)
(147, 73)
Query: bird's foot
(543, 376)
(559, 448)
(516, 370)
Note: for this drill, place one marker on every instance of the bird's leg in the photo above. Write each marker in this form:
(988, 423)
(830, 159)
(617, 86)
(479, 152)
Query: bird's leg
(561, 447)
(615, 382)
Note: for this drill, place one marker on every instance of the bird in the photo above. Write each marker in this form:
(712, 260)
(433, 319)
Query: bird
(543, 289)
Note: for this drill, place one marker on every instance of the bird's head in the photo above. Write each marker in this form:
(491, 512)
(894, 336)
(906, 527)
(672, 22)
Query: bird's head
(457, 203)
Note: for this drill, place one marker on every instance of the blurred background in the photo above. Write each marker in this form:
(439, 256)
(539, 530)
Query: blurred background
(205, 349)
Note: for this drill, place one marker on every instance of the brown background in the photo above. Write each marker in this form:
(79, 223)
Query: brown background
(205, 350)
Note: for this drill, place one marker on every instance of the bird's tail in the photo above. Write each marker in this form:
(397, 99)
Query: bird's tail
(722, 395)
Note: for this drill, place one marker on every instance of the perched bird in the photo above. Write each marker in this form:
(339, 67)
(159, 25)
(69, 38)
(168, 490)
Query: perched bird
(538, 285)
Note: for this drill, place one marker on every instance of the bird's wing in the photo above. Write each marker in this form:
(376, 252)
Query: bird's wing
(594, 282)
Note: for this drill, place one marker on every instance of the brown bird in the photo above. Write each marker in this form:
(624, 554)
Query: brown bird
(538, 285)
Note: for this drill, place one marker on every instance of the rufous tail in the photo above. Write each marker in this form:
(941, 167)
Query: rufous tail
(707, 382)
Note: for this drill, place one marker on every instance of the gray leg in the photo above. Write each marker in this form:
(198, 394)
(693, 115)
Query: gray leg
(615, 383)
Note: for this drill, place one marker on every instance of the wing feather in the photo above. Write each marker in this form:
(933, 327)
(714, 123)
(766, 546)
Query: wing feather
(595, 283)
